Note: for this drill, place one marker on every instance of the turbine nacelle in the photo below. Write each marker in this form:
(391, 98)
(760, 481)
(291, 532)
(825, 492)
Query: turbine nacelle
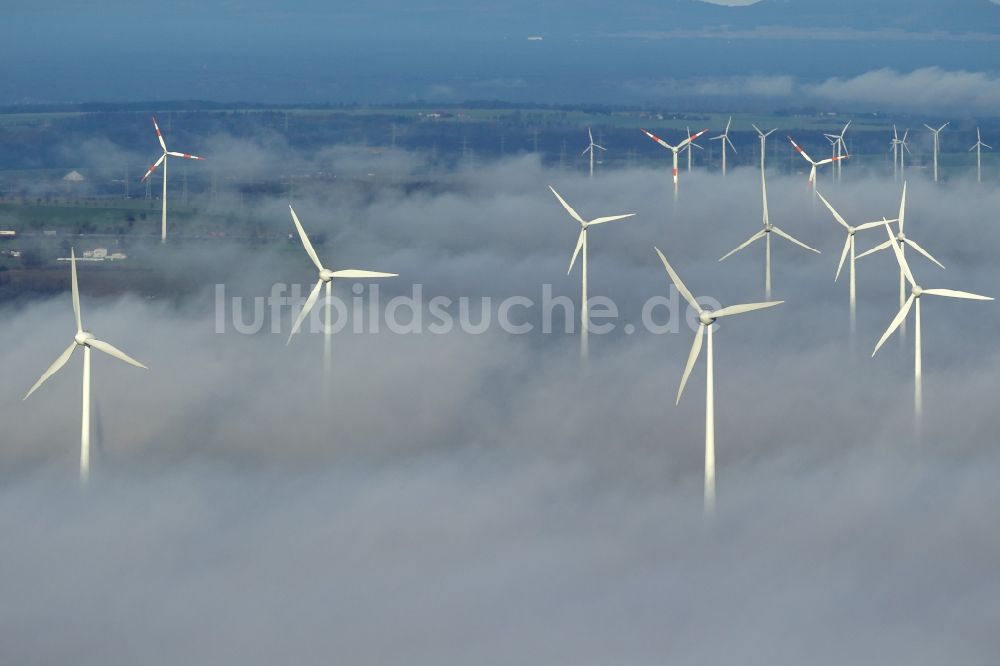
(916, 290)
(706, 318)
(83, 338)
(325, 275)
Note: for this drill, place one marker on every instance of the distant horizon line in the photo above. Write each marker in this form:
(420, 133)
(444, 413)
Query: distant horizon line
(196, 105)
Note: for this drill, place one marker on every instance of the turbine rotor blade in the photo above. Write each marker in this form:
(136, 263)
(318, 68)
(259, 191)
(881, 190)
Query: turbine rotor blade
(678, 283)
(75, 289)
(688, 140)
(877, 248)
(900, 258)
(905, 310)
(802, 152)
(569, 209)
(915, 246)
(151, 169)
(789, 238)
(872, 225)
(185, 156)
(756, 236)
(843, 258)
(836, 215)
(306, 307)
(692, 358)
(111, 350)
(658, 140)
(358, 273)
(610, 218)
(305, 239)
(159, 135)
(952, 293)
(746, 307)
(579, 246)
(53, 369)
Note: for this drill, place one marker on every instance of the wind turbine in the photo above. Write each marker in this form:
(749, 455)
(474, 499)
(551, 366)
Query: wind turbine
(325, 278)
(724, 139)
(87, 341)
(903, 240)
(904, 148)
(763, 143)
(163, 161)
(937, 146)
(590, 149)
(688, 148)
(849, 248)
(916, 291)
(581, 245)
(706, 318)
(839, 148)
(765, 233)
(674, 149)
(894, 146)
(813, 163)
(979, 162)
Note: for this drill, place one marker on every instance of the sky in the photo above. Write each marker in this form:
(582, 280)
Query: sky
(392, 51)
(484, 498)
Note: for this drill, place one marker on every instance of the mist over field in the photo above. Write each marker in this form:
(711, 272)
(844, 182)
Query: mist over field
(485, 498)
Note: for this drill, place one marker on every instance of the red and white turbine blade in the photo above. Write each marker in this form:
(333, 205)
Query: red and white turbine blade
(801, 152)
(153, 168)
(691, 138)
(658, 140)
(185, 156)
(159, 135)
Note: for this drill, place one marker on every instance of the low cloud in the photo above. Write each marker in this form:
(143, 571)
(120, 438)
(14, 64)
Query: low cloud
(930, 89)
(486, 498)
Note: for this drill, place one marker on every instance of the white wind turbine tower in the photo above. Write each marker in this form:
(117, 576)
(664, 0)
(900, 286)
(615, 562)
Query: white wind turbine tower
(590, 149)
(674, 149)
(581, 246)
(937, 146)
(813, 163)
(706, 319)
(325, 278)
(979, 162)
(163, 161)
(849, 248)
(688, 148)
(763, 143)
(916, 291)
(765, 233)
(724, 139)
(86, 340)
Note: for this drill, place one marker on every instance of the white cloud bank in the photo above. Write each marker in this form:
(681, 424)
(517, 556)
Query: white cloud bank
(925, 89)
